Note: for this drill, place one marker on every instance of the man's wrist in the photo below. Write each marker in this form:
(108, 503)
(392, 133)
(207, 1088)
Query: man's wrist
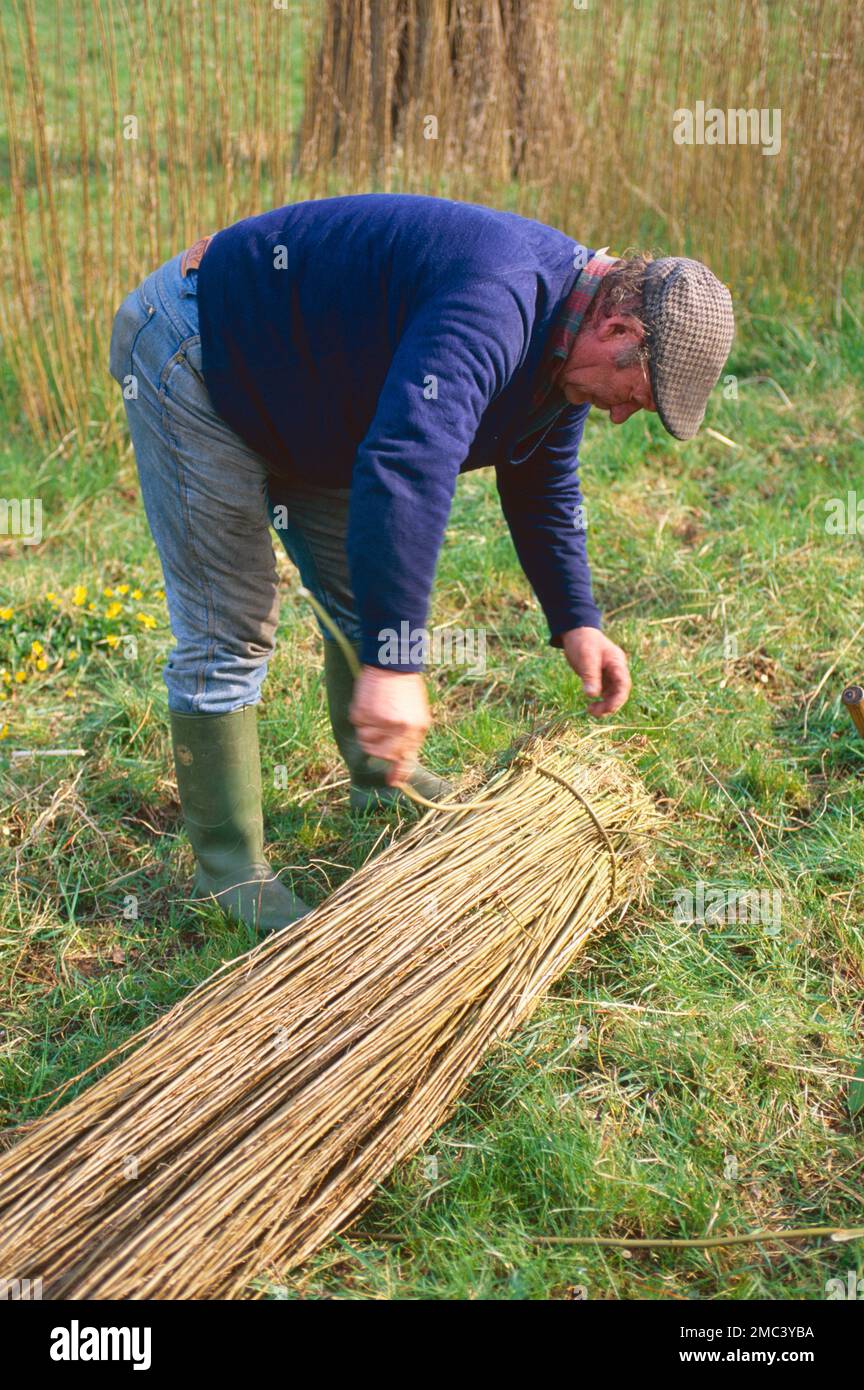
(388, 670)
(594, 622)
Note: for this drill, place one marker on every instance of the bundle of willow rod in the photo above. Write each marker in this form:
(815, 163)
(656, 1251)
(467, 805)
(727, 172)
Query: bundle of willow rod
(251, 1121)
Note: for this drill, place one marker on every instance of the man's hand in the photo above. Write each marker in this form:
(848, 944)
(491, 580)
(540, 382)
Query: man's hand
(601, 665)
(390, 712)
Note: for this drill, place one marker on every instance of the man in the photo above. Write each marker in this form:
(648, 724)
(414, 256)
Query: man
(333, 366)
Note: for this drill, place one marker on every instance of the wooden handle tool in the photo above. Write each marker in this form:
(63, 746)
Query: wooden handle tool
(853, 699)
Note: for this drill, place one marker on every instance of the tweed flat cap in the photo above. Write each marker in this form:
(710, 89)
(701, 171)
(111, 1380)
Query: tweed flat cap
(690, 325)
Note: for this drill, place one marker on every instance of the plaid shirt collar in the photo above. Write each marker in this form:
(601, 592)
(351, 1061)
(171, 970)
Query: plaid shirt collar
(547, 401)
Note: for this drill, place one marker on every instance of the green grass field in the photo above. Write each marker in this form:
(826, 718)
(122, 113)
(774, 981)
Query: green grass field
(689, 1078)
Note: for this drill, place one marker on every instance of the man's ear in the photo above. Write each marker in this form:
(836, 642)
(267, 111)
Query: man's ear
(623, 327)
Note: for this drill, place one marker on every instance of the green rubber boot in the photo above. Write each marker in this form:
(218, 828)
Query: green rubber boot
(219, 781)
(368, 775)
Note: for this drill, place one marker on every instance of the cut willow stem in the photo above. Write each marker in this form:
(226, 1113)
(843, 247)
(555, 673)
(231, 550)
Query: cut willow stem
(234, 1135)
(706, 1242)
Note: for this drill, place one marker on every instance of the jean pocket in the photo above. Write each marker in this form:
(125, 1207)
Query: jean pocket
(194, 357)
(130, 318)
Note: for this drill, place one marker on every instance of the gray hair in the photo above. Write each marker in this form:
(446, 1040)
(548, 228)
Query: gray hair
(621, 288)
(620, 292)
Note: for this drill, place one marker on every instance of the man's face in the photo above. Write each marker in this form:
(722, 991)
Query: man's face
(591, 373)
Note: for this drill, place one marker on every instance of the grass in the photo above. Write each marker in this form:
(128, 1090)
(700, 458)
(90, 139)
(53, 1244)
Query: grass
(689, 1077)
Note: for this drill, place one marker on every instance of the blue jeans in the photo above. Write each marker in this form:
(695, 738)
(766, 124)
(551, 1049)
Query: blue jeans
(209, 507)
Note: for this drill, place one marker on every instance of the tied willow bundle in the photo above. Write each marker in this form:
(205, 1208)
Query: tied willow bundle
(256, 1117)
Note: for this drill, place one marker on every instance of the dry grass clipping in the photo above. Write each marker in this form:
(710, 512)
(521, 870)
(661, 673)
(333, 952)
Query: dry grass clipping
(255, 1118)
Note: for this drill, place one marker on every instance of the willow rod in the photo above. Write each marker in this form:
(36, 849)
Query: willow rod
(355, 669)
(836, 1233)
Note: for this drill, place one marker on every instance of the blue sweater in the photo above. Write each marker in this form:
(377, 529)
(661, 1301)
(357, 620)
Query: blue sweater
(391, 342)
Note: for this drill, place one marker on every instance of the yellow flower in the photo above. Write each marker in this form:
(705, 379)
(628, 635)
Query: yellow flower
(3, 696)
(113, 609)
(160, 593)
(107, 593)
(51, 596)
(20, 676)
(74, 655)
(36, 648)
(122, 588)
(5, 677)
(91, 608)
(69, 694)
(6, 614)
(4, 732)
(136, 593)
(112, 639)
(146, 619)
(42, 664)
(79, 597)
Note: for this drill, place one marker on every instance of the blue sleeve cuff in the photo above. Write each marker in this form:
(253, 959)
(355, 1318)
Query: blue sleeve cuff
(394, 649)
(585, 617)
